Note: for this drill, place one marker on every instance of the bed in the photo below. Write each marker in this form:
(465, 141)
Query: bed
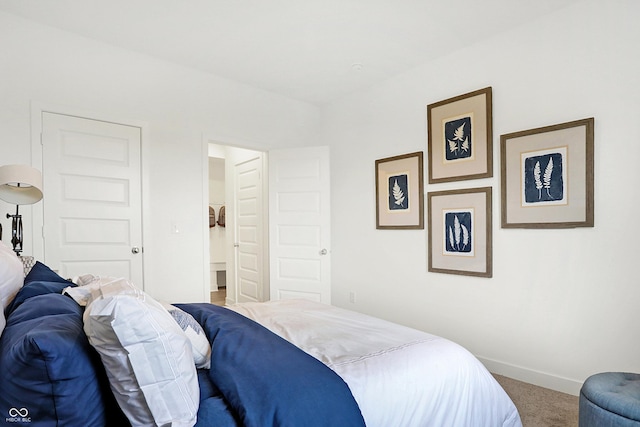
(109, 356)
(399, 376)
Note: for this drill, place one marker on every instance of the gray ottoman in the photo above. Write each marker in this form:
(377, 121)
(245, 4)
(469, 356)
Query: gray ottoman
(610, 399)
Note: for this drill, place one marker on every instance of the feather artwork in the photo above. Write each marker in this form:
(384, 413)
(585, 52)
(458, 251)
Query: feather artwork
(536, 177)
(456, 231)
(465, 236)
(398, 195)
(548, 171)
(453, 248)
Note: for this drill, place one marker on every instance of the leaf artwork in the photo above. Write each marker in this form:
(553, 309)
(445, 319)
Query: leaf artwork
(398, 195)
(458, 235)
(543, 180)
(457, 135)
(536, 177)
(465, 236)
(465, 145)
(453, 146)
(548, 171)
(457, 229)
(451, 238)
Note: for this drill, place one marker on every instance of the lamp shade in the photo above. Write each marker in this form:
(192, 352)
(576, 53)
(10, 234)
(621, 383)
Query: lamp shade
(20, 184)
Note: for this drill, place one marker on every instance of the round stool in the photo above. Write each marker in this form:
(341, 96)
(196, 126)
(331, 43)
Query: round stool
(610, 399)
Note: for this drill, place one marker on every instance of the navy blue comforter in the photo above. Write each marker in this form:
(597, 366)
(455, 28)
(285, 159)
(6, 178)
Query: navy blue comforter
(51, 376)
(259, 379)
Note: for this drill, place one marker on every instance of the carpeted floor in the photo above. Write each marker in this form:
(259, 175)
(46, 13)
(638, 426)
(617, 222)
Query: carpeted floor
(541, 407)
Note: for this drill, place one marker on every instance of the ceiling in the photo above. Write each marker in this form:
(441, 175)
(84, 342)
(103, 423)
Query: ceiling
(314, 51)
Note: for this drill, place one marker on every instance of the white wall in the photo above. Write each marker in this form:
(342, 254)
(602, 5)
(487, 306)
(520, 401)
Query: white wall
(54, 68)
(562, 304)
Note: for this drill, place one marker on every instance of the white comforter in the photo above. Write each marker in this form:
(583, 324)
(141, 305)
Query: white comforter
(399, 376)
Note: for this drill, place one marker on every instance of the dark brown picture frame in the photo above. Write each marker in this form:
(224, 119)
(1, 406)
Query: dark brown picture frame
(465, 248)
(464, 115)
(538, 192)
(400, 192)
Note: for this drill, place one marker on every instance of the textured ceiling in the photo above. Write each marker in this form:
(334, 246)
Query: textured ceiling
(313, 51)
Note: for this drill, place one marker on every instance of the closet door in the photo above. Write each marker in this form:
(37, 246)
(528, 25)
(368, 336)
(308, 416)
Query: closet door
(249, 243)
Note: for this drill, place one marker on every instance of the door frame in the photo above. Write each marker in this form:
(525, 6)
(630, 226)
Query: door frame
(232, 297)
(37, 109)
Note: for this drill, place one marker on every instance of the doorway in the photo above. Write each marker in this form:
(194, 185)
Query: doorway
(238, 245)
(277, 223)
(217, 229)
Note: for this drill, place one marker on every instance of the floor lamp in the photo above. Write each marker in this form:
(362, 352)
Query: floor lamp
(19, 185)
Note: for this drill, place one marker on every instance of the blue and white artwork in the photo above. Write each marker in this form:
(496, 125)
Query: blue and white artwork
(458, 228)
(398, 187)
(543, 178)
(458, 141)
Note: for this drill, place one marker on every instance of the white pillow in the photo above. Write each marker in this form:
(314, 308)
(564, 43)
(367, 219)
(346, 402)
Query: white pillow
(146, 355)
(199, 342)
(85, 285)
(11, 279)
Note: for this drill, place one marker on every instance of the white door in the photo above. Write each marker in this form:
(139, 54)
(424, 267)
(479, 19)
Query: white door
(249, 231)
(299, 224)
(92, 204)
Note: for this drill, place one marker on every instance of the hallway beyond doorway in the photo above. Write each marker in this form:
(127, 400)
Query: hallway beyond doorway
(219, 297)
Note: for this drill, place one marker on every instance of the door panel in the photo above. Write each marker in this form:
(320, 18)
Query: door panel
(248, 230)
(92, 207)
(299, 224)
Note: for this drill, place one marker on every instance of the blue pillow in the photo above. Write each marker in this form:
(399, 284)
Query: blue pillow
(41, 273)
(40, 280)
(50, 373)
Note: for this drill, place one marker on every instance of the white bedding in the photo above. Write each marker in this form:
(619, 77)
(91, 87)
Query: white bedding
(399, 376)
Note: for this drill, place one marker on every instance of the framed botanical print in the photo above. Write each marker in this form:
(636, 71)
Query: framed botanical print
(400, 192)
(460, 137)
(547, 176)
(460, 232)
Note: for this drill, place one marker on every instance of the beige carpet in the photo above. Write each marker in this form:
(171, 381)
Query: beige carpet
(541, 407)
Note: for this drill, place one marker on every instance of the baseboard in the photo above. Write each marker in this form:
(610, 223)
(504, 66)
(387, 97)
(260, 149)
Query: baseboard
(542, 379)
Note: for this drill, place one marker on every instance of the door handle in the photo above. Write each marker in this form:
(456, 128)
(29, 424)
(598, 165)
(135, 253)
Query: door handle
(135, 250)
(323, 252)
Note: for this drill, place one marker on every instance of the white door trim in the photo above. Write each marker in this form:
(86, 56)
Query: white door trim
(37, 108)
(204, 209)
